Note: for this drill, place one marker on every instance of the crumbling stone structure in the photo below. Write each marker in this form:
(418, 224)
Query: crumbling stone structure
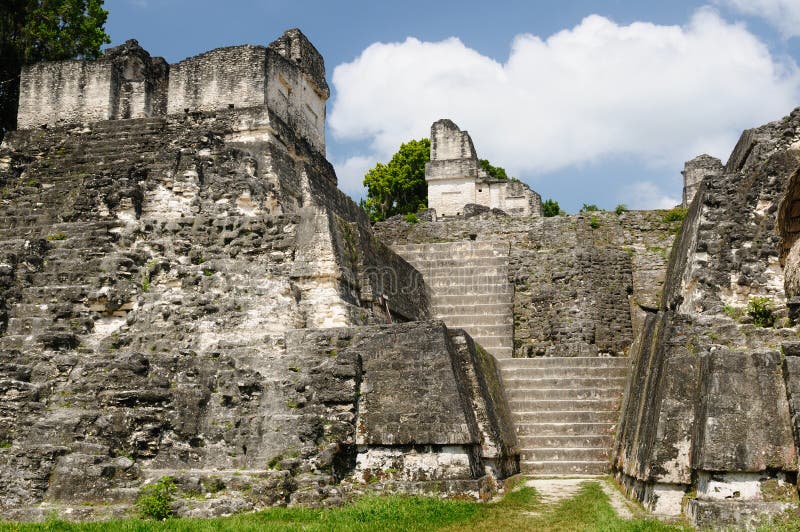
(184, 291)
(694, 171)
(455, 179)
(288, 76)
(189, 294)
(710, 407)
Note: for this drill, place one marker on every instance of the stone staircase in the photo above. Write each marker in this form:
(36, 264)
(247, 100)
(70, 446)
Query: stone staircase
(470, 288)
(565, 410)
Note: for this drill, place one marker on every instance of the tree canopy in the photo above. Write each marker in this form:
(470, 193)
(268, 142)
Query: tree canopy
(399, 187)
(551, 208)
(495, 172)
(44, 30)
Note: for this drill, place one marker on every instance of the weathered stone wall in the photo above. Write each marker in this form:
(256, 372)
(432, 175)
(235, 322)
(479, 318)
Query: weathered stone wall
(288, 76)
(226, 77)
(66, 92)
(706, 405)
(578, 289)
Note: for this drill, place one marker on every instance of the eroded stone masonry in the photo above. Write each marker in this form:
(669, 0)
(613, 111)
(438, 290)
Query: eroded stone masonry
(185, 292)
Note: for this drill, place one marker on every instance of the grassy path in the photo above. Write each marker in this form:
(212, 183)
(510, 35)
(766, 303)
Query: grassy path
(586, 508)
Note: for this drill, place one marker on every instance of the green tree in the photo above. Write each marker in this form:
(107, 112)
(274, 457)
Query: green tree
(399, 186)
(589, 208)
(551, 208)
(495, 172)
(44, 30)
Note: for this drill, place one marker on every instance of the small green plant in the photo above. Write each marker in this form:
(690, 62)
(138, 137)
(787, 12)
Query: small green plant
(760, 309)
(155, 500)
(5, 444)
(198, 260)
(594, 223)
(57, 236)
(676, 214)
(733, 312)
(590, 208)
(208, 272)
(619, 209)
(145, 283)
(411, 218)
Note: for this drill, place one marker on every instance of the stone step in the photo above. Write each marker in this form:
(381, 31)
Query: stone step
(466, 276)
(513, 383)
(500, 352)
(566, 429)
(488, 330)
(563, 372)
(522, 417)
(565, 454)
(472, 289)
(475, 309)
(449, 247)
(618, 362)
(451, 261)
(564, 468)
(472, 321)
(496, 341)
(459, 300)
(563, 393)
(546, 405)
(589, 441)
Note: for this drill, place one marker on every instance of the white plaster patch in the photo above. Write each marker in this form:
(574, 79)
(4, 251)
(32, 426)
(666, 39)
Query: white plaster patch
(713, 486)
(664, 499)
(104, 327)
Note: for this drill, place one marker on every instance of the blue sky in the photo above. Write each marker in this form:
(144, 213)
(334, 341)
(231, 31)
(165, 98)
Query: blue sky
(588, 102)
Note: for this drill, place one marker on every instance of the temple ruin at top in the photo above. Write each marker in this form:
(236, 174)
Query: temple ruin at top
(288, 76)
(455, 178)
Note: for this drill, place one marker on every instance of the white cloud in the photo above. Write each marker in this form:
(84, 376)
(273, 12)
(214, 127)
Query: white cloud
(350, 173)
(783, 14)
(657, 94)
(647, 195)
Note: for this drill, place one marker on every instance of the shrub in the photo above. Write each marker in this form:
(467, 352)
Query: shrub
(551, 208)
(57, 236)
(619, 209)
(590, 208)
(760, 309)
(594, 223)
(676, 214)
(411, 218)
(155, 500)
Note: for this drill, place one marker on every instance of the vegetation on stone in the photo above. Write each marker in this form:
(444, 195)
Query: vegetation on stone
(155, 500)
(32, 31)
(619, 209)
(495, 172)
(676, 214)
(551, 208)
(761, 310)
(589, 208)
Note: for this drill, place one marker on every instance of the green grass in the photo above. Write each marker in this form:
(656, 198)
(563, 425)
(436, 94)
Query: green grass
(520, 509)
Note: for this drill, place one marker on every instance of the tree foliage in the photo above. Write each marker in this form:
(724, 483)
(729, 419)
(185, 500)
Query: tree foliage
(495, 172)
(44, 30)
(399, 187)
(551, 208)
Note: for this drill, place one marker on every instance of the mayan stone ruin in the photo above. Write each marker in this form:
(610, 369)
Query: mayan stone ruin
(185, 292)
